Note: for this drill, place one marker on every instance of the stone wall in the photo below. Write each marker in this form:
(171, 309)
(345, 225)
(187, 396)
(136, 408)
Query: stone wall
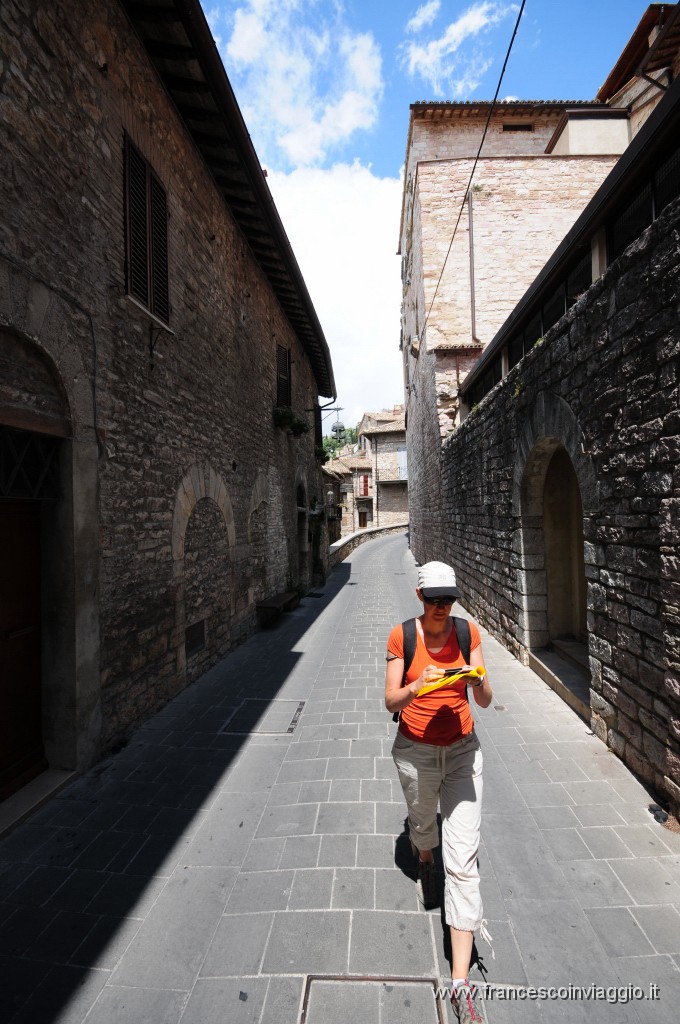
(192, 491)
(346, 545)
(522, 207)
(449, 138)
(392, 504)
(603, 385)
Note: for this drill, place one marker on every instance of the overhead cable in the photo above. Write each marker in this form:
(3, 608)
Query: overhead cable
(474, 166)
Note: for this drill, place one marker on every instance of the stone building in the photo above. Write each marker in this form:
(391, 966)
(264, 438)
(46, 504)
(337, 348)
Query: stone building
(559, 490)
(382, 436)
(332, 482)
(355, 472)
(152, 318)
(457, 293)
(540, 164)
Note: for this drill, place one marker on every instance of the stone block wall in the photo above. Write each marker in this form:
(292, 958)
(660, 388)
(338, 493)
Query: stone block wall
(456, 137)
(604, 384)
(196, 491)
(392, 504)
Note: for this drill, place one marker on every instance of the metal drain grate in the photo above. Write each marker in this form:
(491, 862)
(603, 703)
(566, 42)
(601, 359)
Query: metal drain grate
(412, 992)
(259, 715)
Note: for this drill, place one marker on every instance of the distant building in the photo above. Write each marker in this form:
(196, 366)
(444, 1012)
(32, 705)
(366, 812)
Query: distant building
(355, 472)
(382, 437)
(332, 481)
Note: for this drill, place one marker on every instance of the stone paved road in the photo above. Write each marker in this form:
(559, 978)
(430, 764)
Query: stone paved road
(220, 869)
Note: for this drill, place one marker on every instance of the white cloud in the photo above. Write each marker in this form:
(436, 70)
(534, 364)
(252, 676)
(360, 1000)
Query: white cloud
(306, 82)
(425, 15)
(343, 224)
(440, 61)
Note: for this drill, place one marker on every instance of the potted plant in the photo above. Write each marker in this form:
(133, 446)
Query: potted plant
(284, 416)
(299, 427)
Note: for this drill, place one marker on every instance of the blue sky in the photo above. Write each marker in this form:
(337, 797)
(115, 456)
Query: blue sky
(325, 88)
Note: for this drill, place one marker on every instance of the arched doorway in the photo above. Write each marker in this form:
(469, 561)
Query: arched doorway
(554, 500)
(48, 413)
(22, 753)
(563, 541)
(34, 424)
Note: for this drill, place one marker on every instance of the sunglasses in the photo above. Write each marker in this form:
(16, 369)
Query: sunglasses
(441, 602)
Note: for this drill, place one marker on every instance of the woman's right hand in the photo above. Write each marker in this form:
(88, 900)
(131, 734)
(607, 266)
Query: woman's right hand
(430, 674)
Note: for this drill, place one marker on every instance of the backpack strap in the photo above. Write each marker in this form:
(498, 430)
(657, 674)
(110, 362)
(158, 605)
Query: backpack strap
(410, 640)
(462, 627)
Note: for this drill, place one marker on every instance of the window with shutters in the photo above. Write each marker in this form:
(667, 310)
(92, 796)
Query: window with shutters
(283, 392)
(146, 235)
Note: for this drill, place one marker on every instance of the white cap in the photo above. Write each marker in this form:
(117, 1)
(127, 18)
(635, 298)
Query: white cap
(437, 579)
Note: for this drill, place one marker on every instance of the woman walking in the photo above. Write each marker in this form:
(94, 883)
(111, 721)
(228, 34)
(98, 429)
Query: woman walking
(439, 759)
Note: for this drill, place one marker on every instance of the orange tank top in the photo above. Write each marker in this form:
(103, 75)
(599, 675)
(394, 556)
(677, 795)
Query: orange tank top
(443, 716)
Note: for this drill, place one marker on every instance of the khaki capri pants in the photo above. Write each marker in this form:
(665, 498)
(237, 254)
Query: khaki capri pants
(451, 776)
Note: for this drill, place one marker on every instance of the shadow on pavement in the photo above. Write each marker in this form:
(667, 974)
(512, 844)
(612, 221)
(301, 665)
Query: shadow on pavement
(77, 879)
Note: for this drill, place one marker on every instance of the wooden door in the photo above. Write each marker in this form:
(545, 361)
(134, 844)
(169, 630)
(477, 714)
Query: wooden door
(21, 746)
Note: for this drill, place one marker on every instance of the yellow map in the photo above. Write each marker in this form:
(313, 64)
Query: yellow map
(475, 673)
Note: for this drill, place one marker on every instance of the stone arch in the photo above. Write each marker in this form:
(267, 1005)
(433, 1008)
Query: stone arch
(201, 481)
(37, 313)
(54, 339)
(550, 428)
(550, 423)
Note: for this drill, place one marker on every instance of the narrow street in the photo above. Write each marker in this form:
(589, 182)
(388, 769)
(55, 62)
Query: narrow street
(237, 860)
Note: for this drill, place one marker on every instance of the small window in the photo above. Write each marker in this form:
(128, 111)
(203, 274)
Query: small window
(532, 332)
(554, 308)
(194, 638)
(667, 182)
(518, 127)
(146, 235)
(283, 394)
(630, 223)
(515, 350)
(580, 276)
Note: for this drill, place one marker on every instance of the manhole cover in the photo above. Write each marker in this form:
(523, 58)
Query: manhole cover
(259, 715)
(373, 999)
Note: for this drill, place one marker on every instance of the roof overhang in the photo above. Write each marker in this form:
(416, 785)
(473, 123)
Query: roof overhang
(178, 40)
(424, 110)
(637, 50)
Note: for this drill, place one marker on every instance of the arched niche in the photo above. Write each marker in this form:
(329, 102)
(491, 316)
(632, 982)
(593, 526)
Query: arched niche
(201, 483)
